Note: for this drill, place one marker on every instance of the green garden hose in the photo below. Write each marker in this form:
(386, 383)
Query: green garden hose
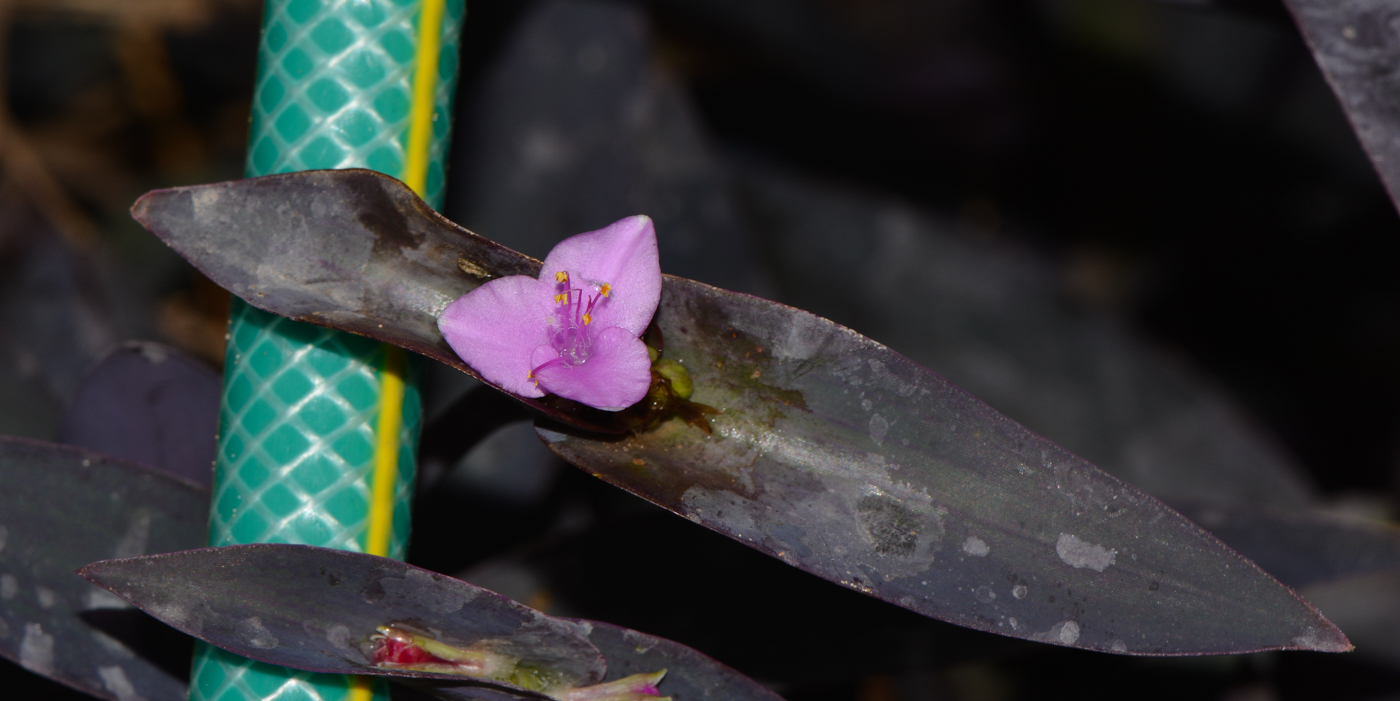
(318, 429)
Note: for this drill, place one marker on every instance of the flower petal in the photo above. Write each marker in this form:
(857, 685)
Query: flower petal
(495, 327)
(616, 376)
(623, 255)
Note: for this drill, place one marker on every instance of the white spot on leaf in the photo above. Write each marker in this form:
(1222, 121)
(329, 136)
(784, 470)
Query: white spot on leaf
(975, 546)
(806, 334)
(422, 587)
(1063, 633)
(103, 599)
(583, 628)
(46, 597)
(1019, 591)
(138, 533)
(176, 613)
(9, 586)
(339, 636)
(36, 650)
(114, 679)
(1311, 639)
(640, 642)
(206, 201)
(878, 428)
(1119, 646)
(252, 631)
(1080, 554)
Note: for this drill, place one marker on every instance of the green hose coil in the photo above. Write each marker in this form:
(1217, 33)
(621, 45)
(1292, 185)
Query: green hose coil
(301, 406)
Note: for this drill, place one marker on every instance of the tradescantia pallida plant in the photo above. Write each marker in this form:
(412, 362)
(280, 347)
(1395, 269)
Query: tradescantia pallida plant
(311, 608)
(339, 612)
(782, 430)
(830, 452)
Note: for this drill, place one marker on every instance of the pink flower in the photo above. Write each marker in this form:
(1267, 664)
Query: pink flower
(575, 330)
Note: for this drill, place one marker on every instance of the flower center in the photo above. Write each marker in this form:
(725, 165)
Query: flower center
(570, 332)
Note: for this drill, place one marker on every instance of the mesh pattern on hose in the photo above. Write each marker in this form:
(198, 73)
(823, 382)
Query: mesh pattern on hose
(296, 447)
(296, 439)
(334, 86)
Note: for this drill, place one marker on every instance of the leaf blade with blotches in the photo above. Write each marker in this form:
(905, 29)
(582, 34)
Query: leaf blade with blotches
(315, 609)
(832, 452)
(61, 508)
(869, 470)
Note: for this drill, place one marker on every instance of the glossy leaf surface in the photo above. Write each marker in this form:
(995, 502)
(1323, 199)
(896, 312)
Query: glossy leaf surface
(844, 458)
(314, 608)
(833, 453)
(61, 508)
(1355, 44)
(350, 249)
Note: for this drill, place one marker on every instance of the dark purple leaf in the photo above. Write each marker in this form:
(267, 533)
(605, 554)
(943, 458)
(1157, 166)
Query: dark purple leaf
(833, 453)
(847, 460)
(61, 508)
(315, 608)
(350, 249)
(1357, 48)
(149, 404)
(58, 313)
(1301, 548)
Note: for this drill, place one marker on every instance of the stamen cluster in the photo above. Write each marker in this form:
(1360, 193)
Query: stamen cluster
(569, 328)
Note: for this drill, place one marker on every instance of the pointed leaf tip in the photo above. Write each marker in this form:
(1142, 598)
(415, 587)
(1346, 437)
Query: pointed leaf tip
(847, 460)
(1327, 639)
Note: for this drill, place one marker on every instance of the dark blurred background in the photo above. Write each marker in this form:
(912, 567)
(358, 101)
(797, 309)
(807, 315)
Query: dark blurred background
(1143, 228)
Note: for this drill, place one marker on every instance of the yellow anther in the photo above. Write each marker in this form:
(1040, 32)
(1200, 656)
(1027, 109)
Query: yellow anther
(561, 276)
(587, 319)
(558, 299)
(606, 289)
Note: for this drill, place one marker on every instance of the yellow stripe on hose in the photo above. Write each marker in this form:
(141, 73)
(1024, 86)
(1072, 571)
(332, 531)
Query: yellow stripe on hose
(420, 129)
(386, 454)
(415, 175)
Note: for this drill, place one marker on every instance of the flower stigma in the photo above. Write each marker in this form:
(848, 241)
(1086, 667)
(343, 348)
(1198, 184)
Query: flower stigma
(568, 327)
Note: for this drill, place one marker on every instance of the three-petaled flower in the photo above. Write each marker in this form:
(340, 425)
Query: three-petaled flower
(575, 330)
